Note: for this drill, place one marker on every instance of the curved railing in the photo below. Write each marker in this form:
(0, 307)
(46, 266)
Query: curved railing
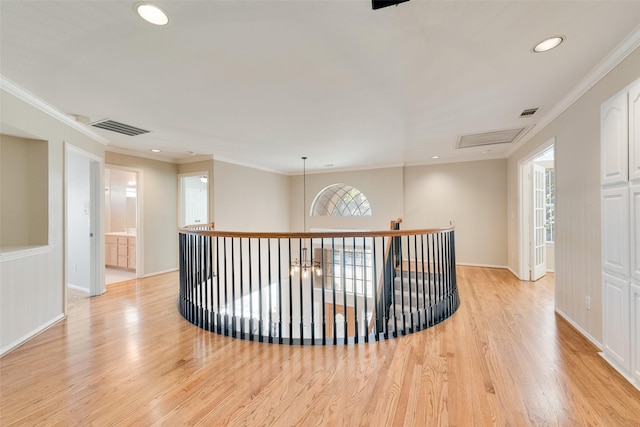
(317, 288)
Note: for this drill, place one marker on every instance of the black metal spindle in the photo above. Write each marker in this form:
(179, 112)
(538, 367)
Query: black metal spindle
(280, 337)
(260, 298)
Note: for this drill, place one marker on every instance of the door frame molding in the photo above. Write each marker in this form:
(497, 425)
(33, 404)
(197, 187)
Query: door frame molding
(139, 215)
(524, 208)
(96, 245)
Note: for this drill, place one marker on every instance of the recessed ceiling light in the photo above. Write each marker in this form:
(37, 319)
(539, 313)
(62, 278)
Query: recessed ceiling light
(152, 14)
(155, 150)
(548, 44)
(435, 157)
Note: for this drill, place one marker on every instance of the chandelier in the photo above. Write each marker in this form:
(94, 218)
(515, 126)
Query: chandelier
(305, 265)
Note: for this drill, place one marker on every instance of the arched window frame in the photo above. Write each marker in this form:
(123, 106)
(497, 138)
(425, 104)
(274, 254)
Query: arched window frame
(340, 200)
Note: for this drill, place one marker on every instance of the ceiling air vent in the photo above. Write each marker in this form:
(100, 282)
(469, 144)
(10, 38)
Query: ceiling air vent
(490, 138)
(114, 126)
(529, 112)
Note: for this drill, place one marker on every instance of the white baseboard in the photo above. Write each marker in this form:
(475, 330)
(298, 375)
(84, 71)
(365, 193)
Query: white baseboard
(30, 335)
(622, 372)
(514, 273)
(466, 264)
(78, 288)
(579, 329)
(160, 272)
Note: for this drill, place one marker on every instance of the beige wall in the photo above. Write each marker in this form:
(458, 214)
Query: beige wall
(577, 163)
(158, 228)
(471, 194)
(23, 192)
(32, 291)
(247, 199)
(202, 166)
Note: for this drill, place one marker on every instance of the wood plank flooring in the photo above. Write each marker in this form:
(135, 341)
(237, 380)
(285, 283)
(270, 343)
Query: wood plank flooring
(129, 358)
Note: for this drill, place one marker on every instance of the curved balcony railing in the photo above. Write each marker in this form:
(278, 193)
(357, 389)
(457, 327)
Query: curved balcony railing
(317, 288)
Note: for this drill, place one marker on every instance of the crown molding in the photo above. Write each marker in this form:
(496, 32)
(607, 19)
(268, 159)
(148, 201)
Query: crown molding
(20, 93)
(247, 165)
(194, 159)
(617, 55)
(131, 153)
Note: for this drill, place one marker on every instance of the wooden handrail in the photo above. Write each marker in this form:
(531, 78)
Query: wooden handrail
(314, 235)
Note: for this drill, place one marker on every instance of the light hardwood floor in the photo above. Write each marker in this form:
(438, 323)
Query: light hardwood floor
(129, 358)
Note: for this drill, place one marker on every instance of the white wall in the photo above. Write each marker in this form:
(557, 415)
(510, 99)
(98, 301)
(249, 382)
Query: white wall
(158, 230)
(577, 166)
(249, 199)
(78, 216)
(32, 286)
(471, 194)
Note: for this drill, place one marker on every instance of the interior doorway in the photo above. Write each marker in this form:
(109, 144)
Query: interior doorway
(537, 214)
(122, 226)
(194, 198)
(83, 267)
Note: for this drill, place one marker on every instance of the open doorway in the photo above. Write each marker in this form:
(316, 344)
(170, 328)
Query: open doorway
(537, 214)
(83, 254)
(194, 198)
(122, 228)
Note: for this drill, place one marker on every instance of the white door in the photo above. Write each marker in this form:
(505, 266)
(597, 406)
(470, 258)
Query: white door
(539, 252)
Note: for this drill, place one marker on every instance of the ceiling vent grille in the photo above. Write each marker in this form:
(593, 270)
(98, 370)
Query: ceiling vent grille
(114, 126)
(529, 112)
(490, 138)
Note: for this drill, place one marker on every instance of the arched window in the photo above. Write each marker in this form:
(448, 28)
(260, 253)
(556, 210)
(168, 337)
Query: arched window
(340, 200)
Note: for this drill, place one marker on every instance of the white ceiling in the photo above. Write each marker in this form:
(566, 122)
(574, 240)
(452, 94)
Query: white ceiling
(266, 82)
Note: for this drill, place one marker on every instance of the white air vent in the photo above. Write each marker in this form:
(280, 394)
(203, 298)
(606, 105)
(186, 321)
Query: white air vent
(490, 138)
(529, 112)
(114, 126)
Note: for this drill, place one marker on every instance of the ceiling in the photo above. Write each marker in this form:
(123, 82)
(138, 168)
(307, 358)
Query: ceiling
(263, 83)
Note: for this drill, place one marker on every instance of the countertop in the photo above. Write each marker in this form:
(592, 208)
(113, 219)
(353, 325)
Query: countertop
(121, 234)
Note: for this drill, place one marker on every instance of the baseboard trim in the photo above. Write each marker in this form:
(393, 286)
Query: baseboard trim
(514, 273)
(17, 343)
(78, 288)
(466, 264)
(622, 372)
(157, 273)
(579, 329)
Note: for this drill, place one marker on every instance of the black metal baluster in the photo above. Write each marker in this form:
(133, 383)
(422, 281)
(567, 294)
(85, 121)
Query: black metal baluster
(344, 293)
(364, 263)
(269, 292)
(291, 287)
(301, 307)
(241, 291)
(280, 338)
(324, 279)
(424, 321)
(355, 292)
(376, 296)
(333, 287)
(251, 325)
(312, 295)
(260, 286)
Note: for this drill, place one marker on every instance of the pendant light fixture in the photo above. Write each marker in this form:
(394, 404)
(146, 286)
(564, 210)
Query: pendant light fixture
(305, 265)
